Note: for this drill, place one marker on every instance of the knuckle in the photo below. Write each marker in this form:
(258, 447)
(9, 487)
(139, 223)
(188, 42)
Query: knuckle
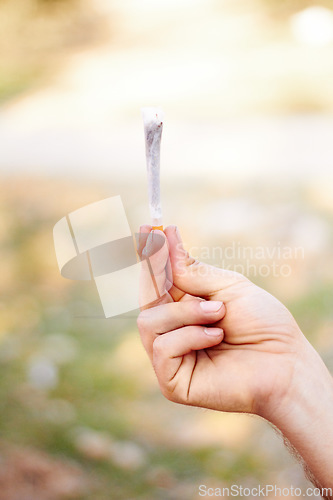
(238, 277)
(190, 261)
(160, 300)
(142, 321)
(196, 309)
(158, 346)
(169, 393)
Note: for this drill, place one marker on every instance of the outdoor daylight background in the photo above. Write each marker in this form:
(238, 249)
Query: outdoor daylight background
(247, 157)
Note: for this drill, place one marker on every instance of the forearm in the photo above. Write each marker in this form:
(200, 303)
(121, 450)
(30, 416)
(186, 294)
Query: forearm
(305, 416)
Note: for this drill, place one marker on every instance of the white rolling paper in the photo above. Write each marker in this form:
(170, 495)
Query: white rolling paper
(153, 126)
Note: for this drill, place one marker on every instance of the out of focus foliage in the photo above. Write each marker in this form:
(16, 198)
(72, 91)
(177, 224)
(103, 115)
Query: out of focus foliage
(36, 34)
(288, 7)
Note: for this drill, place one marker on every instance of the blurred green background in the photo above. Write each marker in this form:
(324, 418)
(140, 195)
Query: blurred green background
(247, 163)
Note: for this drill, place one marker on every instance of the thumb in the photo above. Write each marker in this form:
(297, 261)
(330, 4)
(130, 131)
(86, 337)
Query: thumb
(192, 276)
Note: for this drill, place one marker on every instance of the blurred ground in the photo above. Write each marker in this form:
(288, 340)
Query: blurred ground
(247, 156)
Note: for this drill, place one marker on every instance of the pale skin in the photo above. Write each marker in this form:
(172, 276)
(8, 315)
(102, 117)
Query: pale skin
(218, 341)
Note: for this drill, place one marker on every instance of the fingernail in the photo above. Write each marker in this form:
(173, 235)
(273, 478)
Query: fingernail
(211, 305)
(213, 332)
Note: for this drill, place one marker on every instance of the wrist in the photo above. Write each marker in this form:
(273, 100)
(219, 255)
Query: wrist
(310, 390)
(304, 414)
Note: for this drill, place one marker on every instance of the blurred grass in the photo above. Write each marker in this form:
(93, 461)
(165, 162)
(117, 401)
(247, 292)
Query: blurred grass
(36, 36)
(314, 309)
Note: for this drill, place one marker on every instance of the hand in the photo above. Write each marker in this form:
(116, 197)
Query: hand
(243, 361)
(218, 341)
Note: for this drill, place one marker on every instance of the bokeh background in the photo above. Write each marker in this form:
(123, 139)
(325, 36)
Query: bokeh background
(247, 157)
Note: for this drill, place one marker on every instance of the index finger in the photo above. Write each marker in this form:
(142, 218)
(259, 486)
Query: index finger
(155, 279)
(175, 315)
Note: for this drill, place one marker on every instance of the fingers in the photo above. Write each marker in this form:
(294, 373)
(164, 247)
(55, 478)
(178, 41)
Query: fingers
(157, 251)
(165, 318)
(154, 276)
(174, 350)
(193, 277)
(143, 235)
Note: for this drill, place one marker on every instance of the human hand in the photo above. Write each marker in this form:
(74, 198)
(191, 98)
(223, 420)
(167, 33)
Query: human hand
(243, 362)
(218, 341)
